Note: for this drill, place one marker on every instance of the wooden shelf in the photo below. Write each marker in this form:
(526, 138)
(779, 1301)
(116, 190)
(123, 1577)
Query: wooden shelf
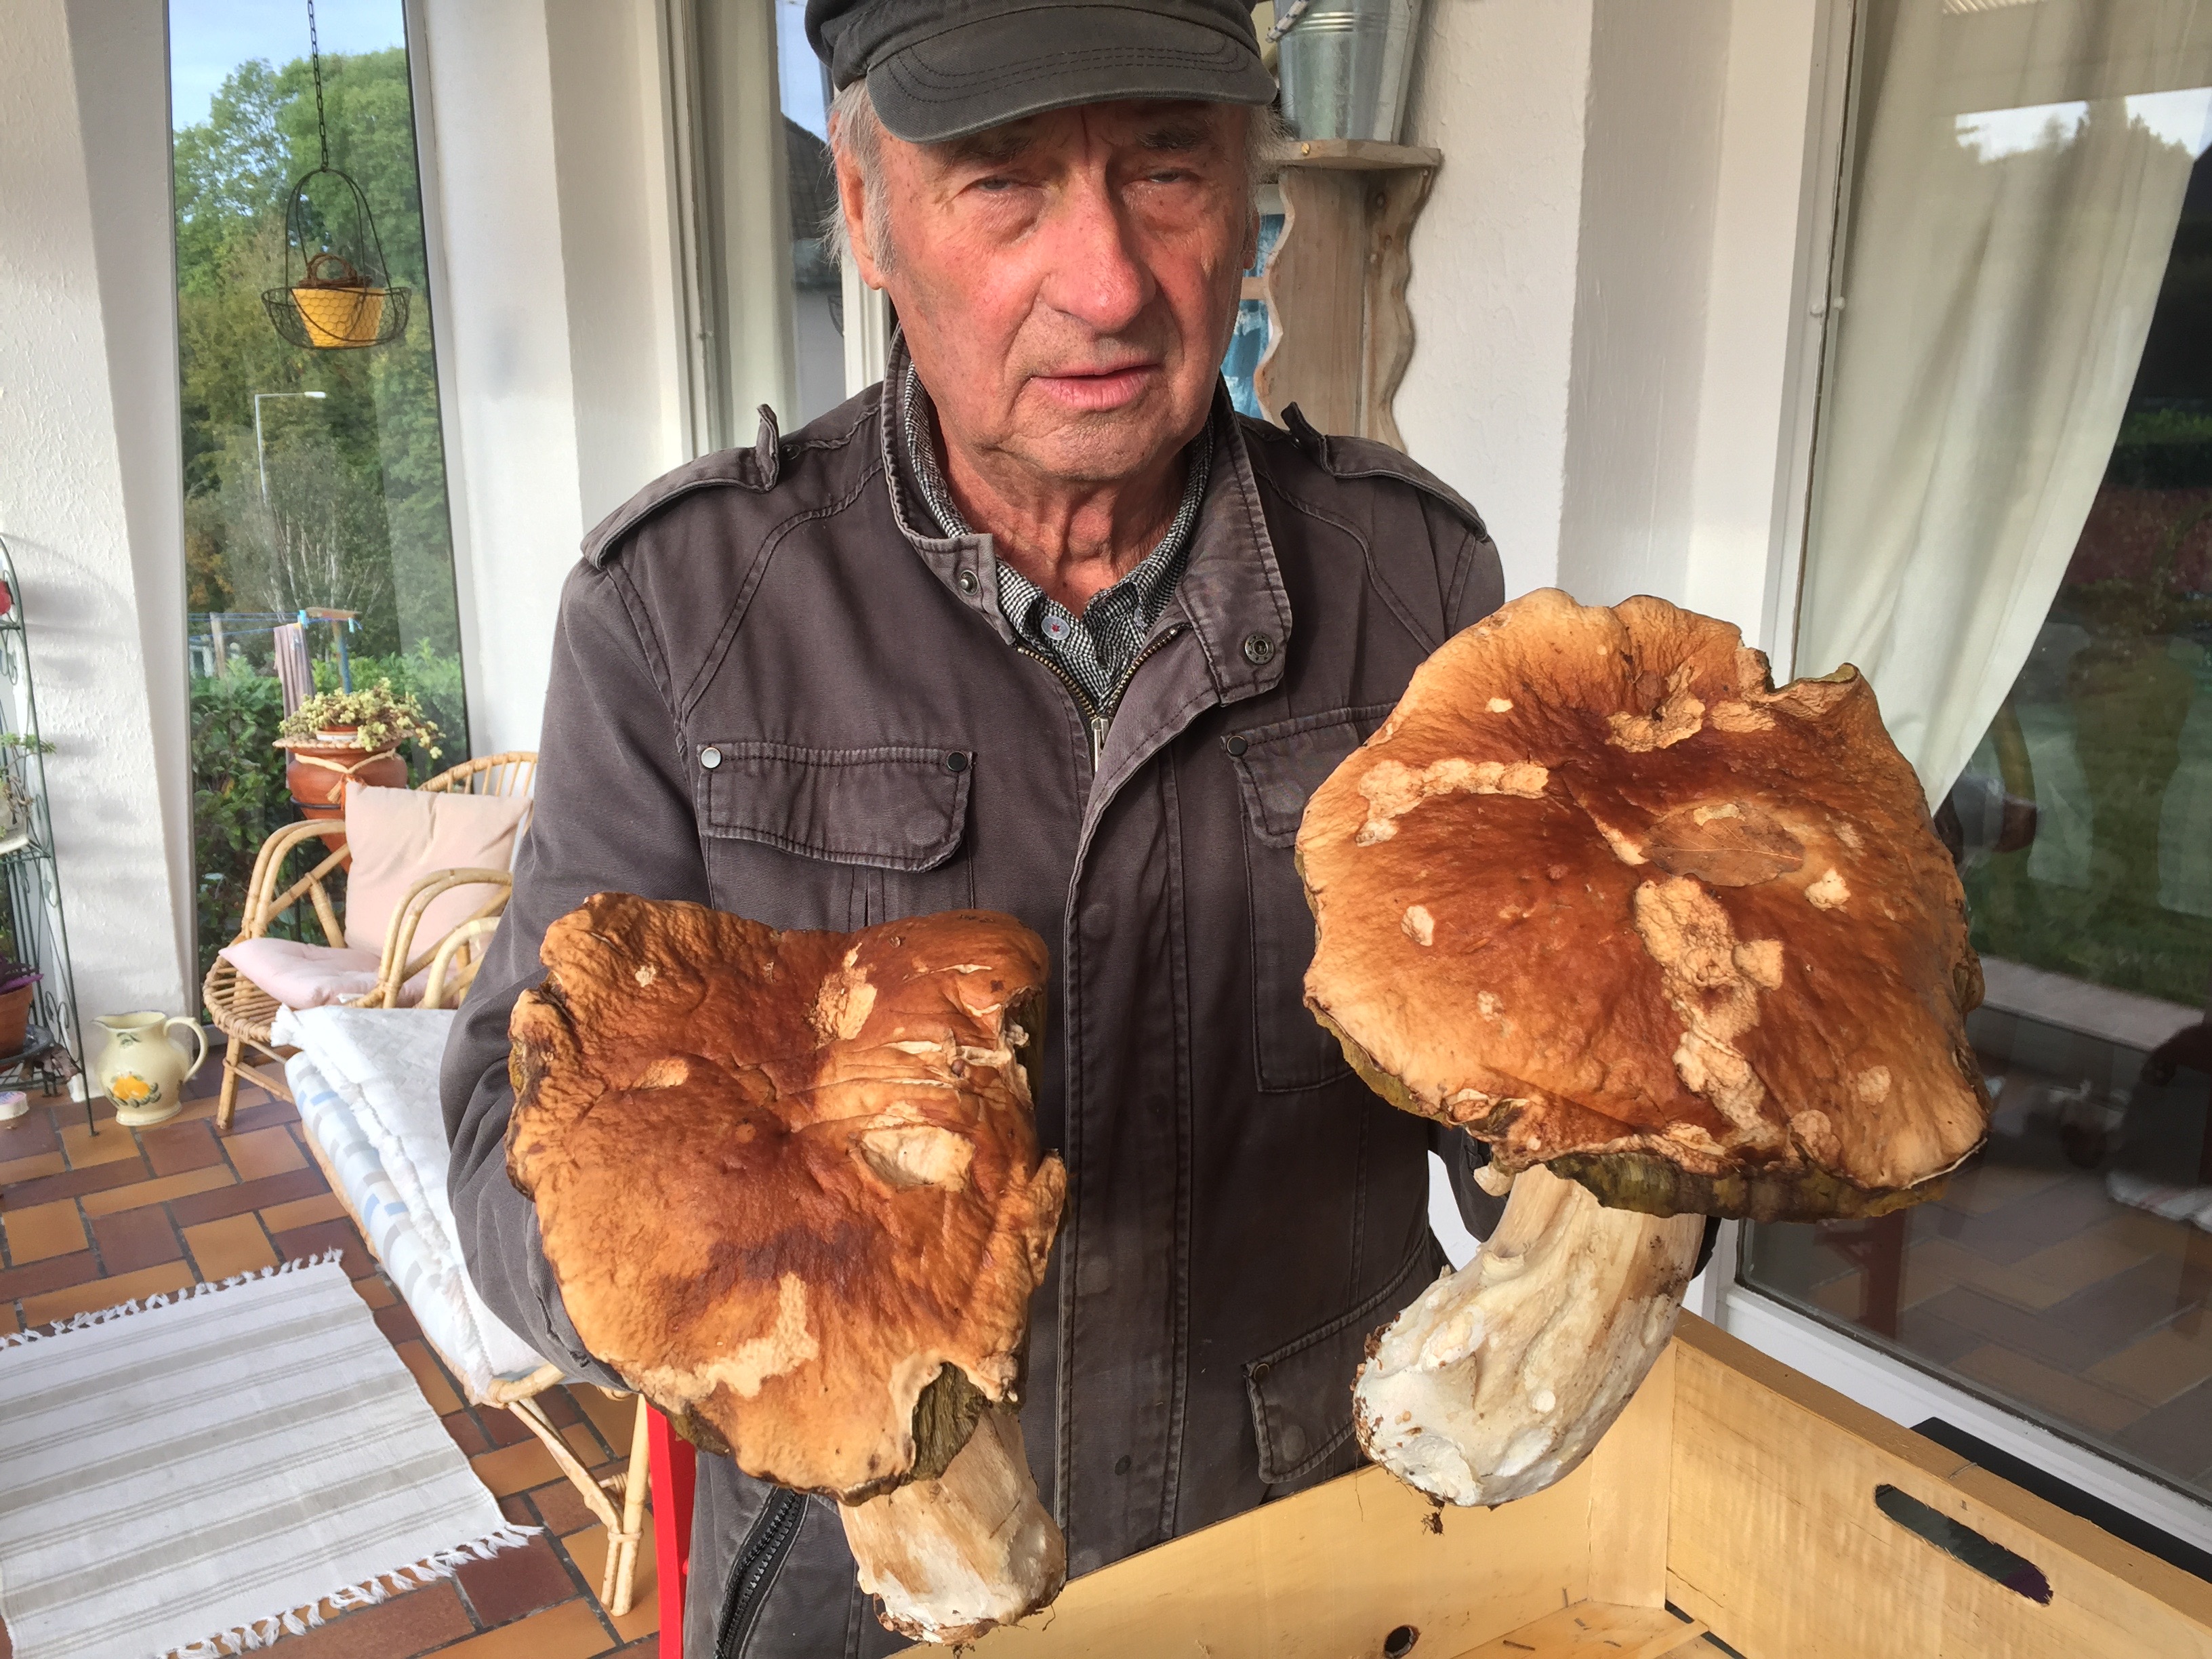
(1340, 336)
(1362, 155)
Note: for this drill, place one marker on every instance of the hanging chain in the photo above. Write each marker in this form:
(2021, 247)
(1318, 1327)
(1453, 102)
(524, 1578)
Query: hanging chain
(315, 60)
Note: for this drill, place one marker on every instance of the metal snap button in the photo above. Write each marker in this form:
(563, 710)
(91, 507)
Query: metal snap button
(1259, 1371)
(710, 758)
(1259, 648)
(965, 581)
(955, 762)
(1234, 745)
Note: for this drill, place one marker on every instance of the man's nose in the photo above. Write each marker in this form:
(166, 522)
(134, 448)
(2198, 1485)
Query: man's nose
(1096, 272)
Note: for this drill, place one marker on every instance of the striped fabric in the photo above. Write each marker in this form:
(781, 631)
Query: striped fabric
(366, 1081)
(215, 1464)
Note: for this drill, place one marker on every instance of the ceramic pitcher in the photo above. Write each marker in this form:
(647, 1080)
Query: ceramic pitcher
(142, 1071)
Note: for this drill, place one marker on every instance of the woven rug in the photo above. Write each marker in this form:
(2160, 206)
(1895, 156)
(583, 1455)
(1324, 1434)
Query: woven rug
(210, 1466)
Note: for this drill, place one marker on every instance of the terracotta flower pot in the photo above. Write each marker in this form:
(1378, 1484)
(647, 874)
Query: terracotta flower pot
(317, 774)
(15, 1018)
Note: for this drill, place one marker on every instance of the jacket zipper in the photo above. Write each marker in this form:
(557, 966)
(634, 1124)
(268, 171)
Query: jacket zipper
(754, 1572)
(1099, 723)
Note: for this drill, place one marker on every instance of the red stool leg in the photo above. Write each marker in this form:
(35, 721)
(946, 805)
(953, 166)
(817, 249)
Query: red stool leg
(675, 1469)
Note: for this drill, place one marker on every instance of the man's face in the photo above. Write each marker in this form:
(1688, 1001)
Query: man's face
(1068, 282)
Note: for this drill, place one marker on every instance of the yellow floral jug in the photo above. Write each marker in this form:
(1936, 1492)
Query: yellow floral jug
(142, 1071)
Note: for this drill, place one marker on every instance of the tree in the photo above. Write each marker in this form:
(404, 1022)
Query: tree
(374, 436)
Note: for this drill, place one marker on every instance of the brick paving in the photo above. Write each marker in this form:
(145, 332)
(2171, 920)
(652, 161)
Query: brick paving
(91, 1219)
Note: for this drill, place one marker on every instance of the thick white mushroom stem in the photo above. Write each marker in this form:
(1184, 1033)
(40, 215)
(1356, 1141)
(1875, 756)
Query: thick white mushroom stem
(1500, 1379)
(950, 1558)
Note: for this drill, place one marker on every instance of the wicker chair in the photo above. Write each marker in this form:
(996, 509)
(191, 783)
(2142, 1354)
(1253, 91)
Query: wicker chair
(243, 1011)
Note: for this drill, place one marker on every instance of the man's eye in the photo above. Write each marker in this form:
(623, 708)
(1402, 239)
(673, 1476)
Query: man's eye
(995, 186)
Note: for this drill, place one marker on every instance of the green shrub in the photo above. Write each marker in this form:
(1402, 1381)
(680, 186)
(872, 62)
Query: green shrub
(238, 797)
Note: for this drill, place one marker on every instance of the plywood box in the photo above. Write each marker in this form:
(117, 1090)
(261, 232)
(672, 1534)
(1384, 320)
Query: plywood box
(1734, 1488)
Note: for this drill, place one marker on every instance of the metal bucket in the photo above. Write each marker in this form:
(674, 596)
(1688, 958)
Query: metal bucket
(1346, 66)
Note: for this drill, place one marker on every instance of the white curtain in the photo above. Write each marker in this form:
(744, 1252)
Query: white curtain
(2019, 181)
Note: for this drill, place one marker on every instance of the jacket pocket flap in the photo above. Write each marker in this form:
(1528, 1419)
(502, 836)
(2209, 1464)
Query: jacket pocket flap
(1301, 1393)
(899, 807)
(1279, 766)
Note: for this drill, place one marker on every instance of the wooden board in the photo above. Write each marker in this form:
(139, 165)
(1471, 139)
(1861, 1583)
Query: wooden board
(1332, 1571)
(1323, 1575)
(1360, 154)
(1775, 1540)
(1597, 1630)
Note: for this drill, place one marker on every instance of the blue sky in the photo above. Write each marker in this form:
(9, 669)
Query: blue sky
(799, 71)
(208, 38)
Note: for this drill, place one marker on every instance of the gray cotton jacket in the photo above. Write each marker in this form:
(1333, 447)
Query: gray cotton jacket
(1241, 1211)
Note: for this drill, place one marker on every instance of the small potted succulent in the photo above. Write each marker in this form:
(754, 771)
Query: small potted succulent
(337, 736)
(17, 984)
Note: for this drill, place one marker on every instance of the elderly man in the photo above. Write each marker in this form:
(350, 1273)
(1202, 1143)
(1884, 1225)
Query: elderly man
(1039, 625)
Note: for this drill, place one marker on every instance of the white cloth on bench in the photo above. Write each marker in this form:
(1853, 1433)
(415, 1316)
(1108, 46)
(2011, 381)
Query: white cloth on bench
(366, 1081)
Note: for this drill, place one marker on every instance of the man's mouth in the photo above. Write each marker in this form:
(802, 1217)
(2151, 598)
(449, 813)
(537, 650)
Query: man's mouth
(1094, 391)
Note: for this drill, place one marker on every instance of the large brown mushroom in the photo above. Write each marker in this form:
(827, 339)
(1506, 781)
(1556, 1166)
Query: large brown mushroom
(1675, 943)
(790, 1188)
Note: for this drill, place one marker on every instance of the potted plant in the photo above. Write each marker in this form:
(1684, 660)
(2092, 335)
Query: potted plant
(337, 736)
(17, 983)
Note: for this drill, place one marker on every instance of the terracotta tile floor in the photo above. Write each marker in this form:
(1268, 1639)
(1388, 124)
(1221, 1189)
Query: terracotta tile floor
(88, 1220)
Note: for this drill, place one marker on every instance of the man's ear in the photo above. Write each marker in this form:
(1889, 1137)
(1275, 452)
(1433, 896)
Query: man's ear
(852, 203)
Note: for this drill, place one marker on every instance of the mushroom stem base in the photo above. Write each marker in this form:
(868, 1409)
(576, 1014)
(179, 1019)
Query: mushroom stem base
(1501, 1376)
(949, 1559)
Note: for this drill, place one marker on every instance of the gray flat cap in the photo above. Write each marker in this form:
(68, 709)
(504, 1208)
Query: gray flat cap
(943, 69)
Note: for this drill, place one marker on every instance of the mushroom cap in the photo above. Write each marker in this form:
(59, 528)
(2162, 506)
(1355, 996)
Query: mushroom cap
(1600, 894)
(784, 1179)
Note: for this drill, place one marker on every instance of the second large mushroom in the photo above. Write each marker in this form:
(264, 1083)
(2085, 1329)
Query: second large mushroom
(1676, 944)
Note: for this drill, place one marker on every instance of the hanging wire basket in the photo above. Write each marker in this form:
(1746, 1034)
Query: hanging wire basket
(336, 303)
(343, 298)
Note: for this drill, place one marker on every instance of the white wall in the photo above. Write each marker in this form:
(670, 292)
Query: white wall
(1602, 288)
(1500, 88)
(89, 493)
(556, 334)
(1650, 162)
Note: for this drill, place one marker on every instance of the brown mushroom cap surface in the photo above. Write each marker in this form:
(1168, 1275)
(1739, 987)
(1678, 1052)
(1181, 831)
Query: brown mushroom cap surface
(784, 1179)
(1599, 894)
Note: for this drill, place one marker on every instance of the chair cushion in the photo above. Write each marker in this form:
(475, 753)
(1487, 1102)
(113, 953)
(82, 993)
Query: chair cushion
(366, 1083)
(303, 975)
(400, 835)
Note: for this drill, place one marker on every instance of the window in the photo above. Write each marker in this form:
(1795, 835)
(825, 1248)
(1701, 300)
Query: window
(2011, 534)
(771, 298)
(314, 479)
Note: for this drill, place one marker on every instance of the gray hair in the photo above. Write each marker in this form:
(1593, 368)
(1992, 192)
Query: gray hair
(854, 131)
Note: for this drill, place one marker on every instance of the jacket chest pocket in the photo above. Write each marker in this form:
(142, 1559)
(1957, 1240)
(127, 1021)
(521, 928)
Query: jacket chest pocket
(835, 838)
(1278, 768)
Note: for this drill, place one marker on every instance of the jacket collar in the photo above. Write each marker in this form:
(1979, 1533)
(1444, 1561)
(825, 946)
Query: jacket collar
(1231, 596)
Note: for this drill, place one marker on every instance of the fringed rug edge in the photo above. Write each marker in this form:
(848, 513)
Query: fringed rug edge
(163, 1300)
(298, 1621)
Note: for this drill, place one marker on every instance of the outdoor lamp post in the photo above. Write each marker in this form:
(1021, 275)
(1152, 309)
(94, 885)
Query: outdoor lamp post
(260, 455)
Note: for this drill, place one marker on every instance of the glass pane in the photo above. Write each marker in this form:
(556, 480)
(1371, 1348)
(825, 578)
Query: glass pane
(770, 294)
(2014, 513)
(818, 292)
(314, 479)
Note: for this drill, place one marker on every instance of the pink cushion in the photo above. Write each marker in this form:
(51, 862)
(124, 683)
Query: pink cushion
(400, 835)
(301, 976)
